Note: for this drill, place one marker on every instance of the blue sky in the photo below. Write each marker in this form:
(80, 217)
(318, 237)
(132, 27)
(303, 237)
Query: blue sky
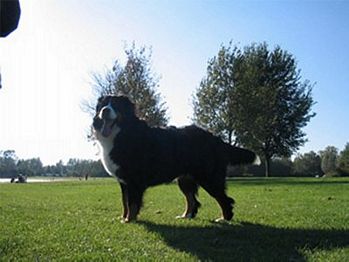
(46, 64)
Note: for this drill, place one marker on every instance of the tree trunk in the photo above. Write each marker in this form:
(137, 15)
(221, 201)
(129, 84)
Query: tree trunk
(267, 166)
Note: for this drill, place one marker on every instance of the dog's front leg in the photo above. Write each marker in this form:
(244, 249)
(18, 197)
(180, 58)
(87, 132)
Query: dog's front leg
(134, 202)
(124, 200)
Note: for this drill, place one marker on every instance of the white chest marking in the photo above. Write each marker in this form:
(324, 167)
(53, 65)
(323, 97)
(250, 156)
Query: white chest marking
(108, 164)
(106, 145)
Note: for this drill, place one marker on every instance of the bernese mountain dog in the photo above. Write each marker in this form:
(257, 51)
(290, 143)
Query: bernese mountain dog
(140, 156)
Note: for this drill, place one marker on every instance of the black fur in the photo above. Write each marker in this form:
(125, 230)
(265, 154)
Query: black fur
(10, 12)
(150, 156)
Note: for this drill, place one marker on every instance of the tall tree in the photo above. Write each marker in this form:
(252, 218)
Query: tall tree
(271, 105)
(212, 100)
(267, 104)
(137, 81)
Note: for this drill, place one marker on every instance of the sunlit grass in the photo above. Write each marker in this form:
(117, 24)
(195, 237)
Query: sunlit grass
(275, 220)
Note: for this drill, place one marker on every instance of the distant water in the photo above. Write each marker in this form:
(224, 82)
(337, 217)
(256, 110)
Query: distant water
(5, 180)
(41, 180)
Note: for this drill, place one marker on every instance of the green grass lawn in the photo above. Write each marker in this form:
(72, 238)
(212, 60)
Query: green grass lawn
(288, 219)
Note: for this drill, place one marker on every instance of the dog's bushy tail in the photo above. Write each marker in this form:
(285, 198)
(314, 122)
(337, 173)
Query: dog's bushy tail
(240, 156)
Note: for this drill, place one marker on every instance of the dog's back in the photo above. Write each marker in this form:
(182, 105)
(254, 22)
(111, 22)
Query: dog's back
(193, 150)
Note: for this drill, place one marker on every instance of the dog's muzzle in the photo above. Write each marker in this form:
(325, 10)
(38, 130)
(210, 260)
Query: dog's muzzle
(105, 120)
(97, 123)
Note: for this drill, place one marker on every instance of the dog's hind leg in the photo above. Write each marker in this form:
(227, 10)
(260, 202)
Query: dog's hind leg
(190, 189)
(217, 190)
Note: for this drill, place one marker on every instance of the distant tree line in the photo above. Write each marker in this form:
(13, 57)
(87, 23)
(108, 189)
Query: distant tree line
(328, 162)
(12, 166)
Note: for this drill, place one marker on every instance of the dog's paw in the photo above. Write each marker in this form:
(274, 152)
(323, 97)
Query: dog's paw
(185, 216)
(221, 220)
(127, 220)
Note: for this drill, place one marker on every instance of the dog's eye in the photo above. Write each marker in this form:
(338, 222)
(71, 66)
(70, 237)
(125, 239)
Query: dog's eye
(100, 103)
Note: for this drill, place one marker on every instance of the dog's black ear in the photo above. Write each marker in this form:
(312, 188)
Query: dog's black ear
(100, 99)
(127, 107)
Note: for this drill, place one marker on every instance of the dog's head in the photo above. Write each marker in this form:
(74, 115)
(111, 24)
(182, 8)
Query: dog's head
(111, 113)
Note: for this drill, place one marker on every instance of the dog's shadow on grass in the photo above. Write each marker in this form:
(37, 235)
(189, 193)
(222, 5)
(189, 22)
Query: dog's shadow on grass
(247, 241)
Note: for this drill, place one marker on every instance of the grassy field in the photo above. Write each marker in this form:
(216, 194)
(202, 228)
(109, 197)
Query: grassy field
(285, 219)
